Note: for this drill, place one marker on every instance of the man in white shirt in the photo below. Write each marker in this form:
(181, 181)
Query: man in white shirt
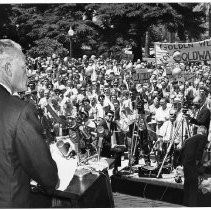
(168, 133)
(162, 113)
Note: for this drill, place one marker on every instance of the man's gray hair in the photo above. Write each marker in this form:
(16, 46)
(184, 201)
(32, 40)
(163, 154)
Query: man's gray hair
(8, 49)
(7, 43)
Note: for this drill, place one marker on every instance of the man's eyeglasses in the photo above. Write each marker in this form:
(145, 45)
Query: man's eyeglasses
(111, 116)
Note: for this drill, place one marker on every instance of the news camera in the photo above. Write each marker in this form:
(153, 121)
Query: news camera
(187, 104)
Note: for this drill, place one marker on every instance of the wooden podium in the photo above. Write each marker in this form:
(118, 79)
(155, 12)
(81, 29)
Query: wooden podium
(92, 190)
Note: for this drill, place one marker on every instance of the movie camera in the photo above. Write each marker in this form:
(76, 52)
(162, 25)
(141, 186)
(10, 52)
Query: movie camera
(186, 105)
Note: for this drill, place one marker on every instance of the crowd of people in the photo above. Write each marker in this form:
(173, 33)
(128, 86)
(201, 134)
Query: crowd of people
(166, 116)
(103, 89)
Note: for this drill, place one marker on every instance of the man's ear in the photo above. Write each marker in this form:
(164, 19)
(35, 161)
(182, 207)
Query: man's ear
(8, 69)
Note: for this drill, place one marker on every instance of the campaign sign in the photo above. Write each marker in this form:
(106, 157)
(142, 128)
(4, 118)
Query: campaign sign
(187, 52)
(141, 76)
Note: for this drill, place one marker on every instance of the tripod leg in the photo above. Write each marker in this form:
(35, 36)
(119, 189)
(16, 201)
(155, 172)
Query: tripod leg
(131, 148)
(161, 167)
(135, 145)
(168, 150)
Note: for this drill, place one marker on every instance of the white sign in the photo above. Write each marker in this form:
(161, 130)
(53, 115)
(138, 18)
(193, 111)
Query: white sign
(182, 52)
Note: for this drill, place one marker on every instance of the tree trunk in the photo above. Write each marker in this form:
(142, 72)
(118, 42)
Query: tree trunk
(147, 37)
(137, 51)
(209, 20)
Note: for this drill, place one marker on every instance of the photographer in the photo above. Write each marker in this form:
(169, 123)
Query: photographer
(110, 141)
(202, 115)
(139, 128)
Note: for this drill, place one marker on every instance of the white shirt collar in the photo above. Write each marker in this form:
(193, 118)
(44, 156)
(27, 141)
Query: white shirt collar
(7, 88)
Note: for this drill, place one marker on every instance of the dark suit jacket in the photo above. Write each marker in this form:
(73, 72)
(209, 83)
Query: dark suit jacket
(24, 155)
(191, 152)
(106, 149)
(203, 118)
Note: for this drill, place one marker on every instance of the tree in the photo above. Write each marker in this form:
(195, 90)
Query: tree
(46, 47)
(206, 9)
(133, 21)
(40, 21)
(104, 28)
(7, 28)
(192, 21)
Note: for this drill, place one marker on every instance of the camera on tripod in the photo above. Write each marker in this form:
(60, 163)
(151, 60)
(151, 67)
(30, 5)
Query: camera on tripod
(187, 104)
(185, 109)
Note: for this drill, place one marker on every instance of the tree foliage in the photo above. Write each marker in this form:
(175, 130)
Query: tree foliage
(46, 47)
(104, 28)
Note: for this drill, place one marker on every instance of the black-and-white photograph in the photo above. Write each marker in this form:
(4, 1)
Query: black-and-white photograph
(105, 105)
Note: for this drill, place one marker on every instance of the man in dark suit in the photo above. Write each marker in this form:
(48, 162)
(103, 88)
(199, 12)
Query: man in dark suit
(192, 151)
(24, 155)
(110, 142)
(202, 115)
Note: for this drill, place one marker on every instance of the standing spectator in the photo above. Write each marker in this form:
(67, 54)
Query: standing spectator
(191, 155)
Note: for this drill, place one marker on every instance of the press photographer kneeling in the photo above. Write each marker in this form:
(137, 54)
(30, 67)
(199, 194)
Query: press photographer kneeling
(110, 146)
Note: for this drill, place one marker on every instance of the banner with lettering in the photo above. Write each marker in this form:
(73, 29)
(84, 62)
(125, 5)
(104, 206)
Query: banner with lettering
(182, 52)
